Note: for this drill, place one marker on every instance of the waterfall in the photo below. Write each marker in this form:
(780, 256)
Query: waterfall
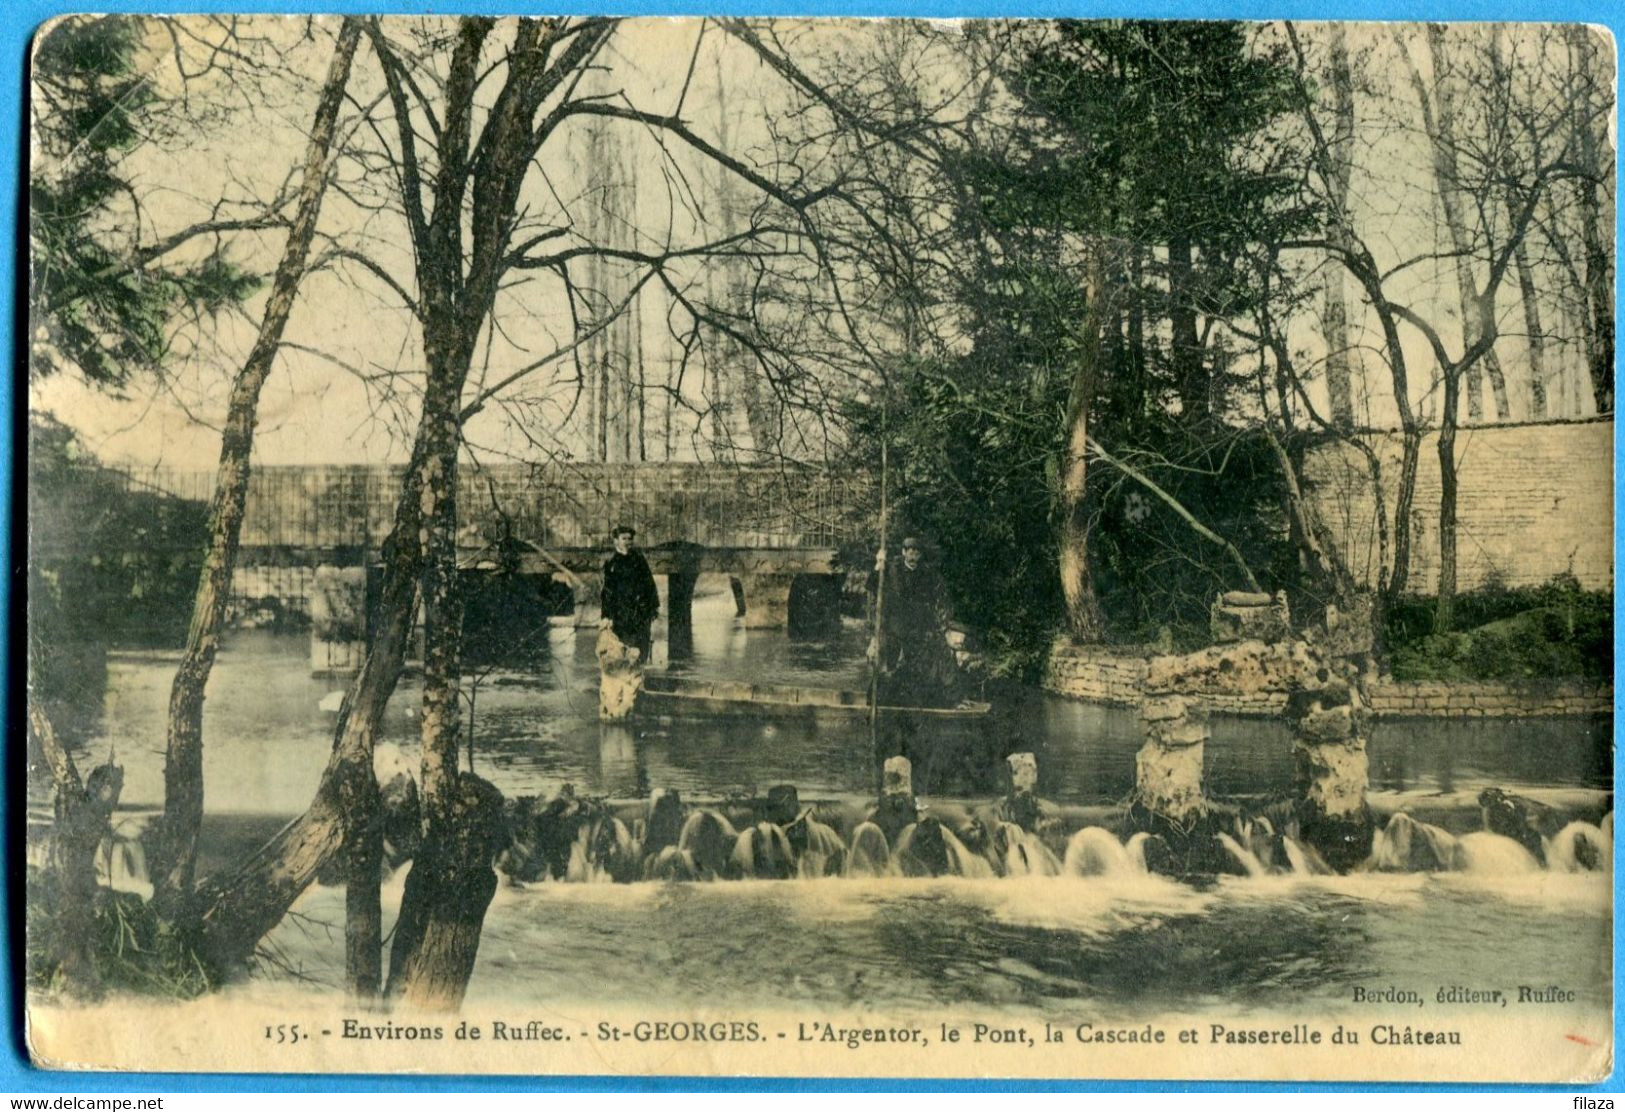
(762, 852)
(870, 855)
(1257, 836)
(1487, 854)
(1303, 860)
(708, 840)
(1135, 848)
(1023, 852)
(1244, 857)
(1094, 851)
(818, 850)
(1408, 846)
(121, 863)
(927, 848)
(603, 851)
(1578, 848)
(595, 845)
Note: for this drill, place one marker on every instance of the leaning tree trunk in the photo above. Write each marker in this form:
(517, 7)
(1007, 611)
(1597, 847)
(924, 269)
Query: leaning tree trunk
(1085, 621)
(175, 848)
(236, 911)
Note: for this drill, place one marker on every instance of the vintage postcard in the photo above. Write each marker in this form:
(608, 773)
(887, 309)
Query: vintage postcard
(911, 549)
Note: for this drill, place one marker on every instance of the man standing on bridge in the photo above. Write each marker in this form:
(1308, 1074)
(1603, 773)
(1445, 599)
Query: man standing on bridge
(629, 601)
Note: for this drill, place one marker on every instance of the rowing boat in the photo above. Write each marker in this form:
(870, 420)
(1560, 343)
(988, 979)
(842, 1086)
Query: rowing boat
(677, 696)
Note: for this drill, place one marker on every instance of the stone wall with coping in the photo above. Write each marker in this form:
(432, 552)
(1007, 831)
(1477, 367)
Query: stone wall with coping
(1114, 677)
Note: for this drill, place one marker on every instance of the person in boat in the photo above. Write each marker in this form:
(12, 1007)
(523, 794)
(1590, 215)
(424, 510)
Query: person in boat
(910, 648)
(629, 601)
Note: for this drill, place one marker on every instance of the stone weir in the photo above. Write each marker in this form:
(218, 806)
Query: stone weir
(780, 835)
(1319, 681)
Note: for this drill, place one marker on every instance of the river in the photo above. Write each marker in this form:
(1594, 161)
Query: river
(1125, 947)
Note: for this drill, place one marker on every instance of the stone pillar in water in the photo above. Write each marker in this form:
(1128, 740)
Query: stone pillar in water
(767, 600)
(1021, 806)
(620, 677)
(896, 808)
(1328, 722)
(588, 589)
(1168, 769)
(338, 620)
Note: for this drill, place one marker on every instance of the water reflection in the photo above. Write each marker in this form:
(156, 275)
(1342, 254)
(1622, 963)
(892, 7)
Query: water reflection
(534, 730)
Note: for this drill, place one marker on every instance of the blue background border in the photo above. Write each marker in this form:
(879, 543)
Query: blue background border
(22, 17)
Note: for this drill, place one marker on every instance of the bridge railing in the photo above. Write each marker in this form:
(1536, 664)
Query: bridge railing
(555, 505)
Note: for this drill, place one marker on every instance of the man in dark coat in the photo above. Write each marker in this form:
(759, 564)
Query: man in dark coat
(629, 601)
(916, 665)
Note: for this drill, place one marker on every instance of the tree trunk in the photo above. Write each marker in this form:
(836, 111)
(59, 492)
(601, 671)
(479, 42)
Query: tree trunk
(1410, 454)
(175, 847)
(1085, 621)
(1595, 233)
(1356, 258)
(363, 855)
(1185, 353)
(1444, 610)
(237, 910)
(78, 827)
(1536, 334)
(447, 892)
(1339, 386)
(469, 193)
(1439, 118)
(1136, 320)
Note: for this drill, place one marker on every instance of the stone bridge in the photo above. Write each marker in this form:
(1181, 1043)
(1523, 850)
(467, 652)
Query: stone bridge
(311, 532)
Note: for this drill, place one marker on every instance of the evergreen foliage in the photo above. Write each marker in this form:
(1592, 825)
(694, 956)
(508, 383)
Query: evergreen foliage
(100, 305)
(1146, 146)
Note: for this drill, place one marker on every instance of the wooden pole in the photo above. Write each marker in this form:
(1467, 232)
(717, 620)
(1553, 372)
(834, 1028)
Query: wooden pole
(880, 603)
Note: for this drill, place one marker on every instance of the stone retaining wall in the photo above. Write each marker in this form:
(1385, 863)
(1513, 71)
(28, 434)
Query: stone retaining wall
(1114, 678)
(1489, 699)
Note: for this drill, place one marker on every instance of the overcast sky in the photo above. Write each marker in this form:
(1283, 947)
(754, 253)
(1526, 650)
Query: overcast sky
(319, 407)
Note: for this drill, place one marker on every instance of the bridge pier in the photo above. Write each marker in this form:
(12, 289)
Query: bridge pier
(338, 619)
(680, 614)
(815, 605)
(767, 599)
(588, 589)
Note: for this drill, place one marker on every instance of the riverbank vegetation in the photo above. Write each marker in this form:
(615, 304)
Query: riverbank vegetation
(1555, 631)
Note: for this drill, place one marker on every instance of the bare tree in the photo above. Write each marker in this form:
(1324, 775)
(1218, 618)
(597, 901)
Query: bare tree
(1591, 104)
(1495, 159)
(471, 106)
(175, 851)
(1339, 166)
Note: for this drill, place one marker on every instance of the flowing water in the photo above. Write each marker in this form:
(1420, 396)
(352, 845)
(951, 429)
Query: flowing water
(1075, 924)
